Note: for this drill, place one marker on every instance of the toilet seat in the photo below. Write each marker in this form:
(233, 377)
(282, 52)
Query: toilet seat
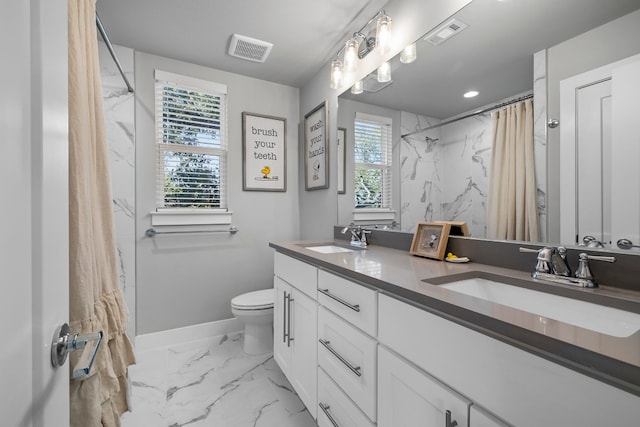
(256, 300)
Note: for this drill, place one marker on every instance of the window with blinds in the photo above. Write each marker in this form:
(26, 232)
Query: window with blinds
(191, 142)
(372, 161)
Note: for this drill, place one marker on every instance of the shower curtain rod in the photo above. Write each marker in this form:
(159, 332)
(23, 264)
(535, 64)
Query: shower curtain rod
(103, 33)
(485, 110)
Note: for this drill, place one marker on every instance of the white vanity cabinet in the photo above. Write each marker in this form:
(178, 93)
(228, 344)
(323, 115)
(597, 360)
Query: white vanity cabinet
(523, 389)
(295, 326)
(408, 397)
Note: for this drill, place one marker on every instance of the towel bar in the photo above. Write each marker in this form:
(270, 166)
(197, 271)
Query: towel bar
(150, 232)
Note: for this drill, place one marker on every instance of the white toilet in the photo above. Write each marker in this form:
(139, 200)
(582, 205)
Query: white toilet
(255, 310)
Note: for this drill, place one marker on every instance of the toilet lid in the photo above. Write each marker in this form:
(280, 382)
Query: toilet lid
(254, 300)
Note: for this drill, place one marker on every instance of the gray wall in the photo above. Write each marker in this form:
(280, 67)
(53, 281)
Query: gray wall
(185, 280)
(412, 19)
(611, 42)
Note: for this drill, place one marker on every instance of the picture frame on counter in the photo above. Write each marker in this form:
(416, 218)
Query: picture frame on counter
(430, 239)
(316, 150)
(264, 152)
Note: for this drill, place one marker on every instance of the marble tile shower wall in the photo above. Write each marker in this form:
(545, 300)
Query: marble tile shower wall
(444, 172)
(119, 119)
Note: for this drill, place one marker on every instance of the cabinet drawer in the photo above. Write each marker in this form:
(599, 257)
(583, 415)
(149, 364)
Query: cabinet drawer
(297, 273)
(334, 403)
(355, 303)
(349, 357)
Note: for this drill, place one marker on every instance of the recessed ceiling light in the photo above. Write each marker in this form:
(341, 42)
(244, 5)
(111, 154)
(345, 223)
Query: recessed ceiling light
(471, 94)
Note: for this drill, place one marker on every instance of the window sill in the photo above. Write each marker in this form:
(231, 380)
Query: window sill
(372, 214)
(190, 217)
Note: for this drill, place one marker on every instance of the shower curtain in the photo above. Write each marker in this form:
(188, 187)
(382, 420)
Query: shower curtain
(512, 210)
(95, 300)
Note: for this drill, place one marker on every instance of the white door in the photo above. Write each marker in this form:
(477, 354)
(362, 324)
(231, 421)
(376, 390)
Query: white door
(625, 192)
(304, 333)
(34, 205)
(409, 398)
(281, 325)
(600, 153)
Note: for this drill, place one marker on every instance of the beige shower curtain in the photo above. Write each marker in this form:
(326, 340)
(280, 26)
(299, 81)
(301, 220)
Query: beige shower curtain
(512, 211)
(95, 300)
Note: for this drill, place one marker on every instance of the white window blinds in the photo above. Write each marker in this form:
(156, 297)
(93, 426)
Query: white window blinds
(191, 140)
(373, 147)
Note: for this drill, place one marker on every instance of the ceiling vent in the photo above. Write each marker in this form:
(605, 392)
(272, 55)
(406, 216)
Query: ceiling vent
(445, 32)
(371, 83)
(248, 48)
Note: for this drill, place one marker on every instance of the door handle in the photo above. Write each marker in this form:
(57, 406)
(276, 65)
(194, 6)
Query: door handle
(284, 316)
(64, 342)
(447, 420)
(289, 339)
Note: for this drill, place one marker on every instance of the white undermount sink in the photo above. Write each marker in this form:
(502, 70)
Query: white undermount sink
(589, 315)
(329, 249)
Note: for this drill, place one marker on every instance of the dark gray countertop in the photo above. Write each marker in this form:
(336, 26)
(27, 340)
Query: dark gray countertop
(397, 273)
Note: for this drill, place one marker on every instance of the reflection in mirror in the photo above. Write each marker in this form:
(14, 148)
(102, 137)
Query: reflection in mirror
(441, 171)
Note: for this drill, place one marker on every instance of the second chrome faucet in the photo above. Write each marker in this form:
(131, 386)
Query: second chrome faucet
(552, 265)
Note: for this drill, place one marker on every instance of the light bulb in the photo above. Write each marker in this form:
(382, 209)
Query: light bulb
(351, 55)
(358, 87)
(383, 34)
(408, 54)
(384, 72)
(336, 74)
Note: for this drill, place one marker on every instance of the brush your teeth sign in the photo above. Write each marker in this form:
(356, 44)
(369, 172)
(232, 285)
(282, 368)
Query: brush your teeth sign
(315, 148)
(264, 152)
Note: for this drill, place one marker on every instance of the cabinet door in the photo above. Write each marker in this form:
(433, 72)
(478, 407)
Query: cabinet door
(304, 320)
(408, 397)
(281, 323)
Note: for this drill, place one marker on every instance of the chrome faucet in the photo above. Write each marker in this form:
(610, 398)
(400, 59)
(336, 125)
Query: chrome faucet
(358, 235)
(552, 265)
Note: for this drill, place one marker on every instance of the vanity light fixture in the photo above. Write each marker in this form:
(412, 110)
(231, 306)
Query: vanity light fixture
(358, 87)
(471, 94)
(359, 46)
(408, 54)
(384, 72)
(336, 74)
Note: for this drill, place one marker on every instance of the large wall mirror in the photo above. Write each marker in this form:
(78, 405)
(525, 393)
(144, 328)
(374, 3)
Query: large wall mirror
(442, 162)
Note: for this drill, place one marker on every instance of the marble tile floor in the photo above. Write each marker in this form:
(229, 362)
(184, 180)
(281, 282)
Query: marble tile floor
(211, 383)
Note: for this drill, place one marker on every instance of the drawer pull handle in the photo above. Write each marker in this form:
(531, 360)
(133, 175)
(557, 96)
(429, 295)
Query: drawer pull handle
(354, 307)
(447, 420)
(325, 409)
(354, 369)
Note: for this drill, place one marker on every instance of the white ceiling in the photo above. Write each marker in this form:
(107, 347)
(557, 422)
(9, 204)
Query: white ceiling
(494, 55)
(305, 33)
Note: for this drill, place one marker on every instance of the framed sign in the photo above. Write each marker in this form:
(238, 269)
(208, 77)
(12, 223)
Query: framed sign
(430, 239)
(342, 155)
(264, 153)
(316, 173)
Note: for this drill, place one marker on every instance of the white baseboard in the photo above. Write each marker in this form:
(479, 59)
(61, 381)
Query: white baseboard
(188, 333)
